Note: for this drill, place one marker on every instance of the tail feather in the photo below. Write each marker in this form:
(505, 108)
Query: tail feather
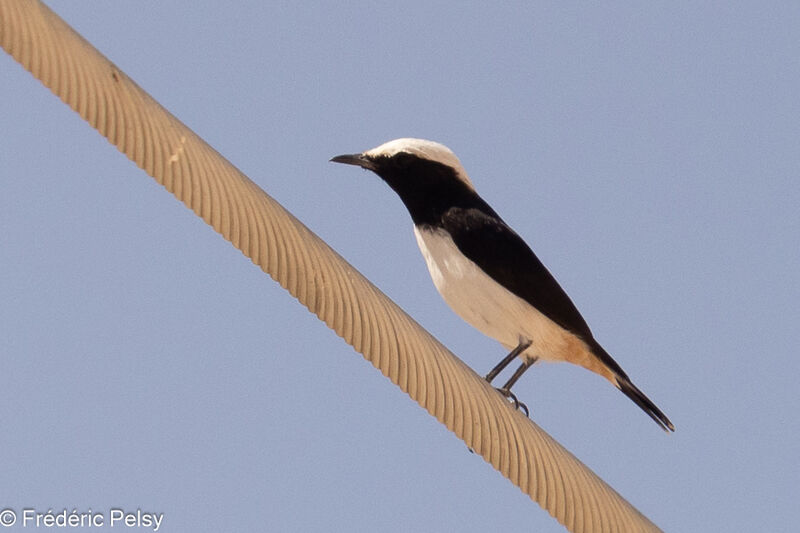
(618, 377)
(631, 391)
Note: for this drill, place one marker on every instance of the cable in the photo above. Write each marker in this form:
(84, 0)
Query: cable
(311, 271)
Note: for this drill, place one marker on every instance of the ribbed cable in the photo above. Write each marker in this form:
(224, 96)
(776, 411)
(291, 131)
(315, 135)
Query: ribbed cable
(311, 271)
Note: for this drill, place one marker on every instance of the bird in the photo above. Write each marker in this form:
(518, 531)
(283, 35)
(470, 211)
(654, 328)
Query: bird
(486, 272)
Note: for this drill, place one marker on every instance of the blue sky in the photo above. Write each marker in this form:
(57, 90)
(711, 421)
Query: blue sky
(648, 154)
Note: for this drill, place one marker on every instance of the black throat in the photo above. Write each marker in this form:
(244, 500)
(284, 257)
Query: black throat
(428, 188)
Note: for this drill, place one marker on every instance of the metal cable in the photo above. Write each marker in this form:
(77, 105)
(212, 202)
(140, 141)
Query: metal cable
(311, 271)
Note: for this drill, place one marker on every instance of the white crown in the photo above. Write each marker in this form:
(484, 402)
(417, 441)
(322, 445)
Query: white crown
(432, 151)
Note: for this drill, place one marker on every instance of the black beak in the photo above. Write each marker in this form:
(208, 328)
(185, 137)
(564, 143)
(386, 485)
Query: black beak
(359, 160)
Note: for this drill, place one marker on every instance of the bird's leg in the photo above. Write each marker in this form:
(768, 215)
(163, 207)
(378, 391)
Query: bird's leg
(505, 390)
(518, 373)
(521, 347)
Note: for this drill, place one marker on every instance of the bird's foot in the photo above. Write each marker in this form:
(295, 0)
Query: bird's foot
(512, 398)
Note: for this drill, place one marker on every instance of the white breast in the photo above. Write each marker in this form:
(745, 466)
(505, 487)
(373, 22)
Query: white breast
(488, 306)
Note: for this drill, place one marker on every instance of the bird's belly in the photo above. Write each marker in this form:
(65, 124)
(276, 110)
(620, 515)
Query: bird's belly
(488, 306)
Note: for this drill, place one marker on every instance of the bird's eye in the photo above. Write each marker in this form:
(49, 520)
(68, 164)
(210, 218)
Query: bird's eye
(403, 159)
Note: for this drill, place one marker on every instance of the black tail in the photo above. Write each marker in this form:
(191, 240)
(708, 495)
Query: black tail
(632, 392)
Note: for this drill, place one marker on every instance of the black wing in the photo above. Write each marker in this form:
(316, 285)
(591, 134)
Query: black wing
(487, 241)
(503, 255)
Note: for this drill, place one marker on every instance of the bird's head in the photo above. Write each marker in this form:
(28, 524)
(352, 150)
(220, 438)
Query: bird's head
(409, 163)
(426, 175)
